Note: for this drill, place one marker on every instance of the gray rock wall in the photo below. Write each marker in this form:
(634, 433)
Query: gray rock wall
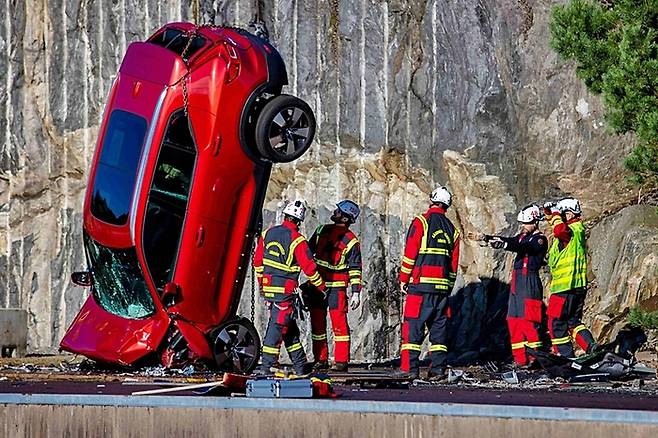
(394, 84)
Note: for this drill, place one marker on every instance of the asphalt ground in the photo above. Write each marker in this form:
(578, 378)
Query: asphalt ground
(61, 375)
(450, 394)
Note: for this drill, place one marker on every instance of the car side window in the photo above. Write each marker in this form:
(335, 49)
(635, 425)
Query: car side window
(116, 169)
(168, 196)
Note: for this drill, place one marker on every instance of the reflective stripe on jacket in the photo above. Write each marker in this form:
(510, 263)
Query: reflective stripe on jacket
(569, 264)
(338, 256)
(431, 253)
(282, 253)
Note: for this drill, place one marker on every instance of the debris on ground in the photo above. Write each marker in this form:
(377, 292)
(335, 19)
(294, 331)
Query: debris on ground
(613, 361)
(510, 377)
(610, 369)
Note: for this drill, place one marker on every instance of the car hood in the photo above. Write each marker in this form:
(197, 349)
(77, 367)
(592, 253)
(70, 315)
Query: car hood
(105, 337)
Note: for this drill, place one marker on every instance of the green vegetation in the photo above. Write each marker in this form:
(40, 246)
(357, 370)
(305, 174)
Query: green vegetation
(615, 46)
(641, 318)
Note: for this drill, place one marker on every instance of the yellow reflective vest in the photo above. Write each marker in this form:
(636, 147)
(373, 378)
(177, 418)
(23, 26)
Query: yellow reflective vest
(569, 264)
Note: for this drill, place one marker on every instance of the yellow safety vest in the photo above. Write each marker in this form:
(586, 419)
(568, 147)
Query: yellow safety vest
(569, 264)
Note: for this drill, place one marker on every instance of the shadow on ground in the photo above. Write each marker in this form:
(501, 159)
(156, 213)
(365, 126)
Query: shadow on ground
(478, 329)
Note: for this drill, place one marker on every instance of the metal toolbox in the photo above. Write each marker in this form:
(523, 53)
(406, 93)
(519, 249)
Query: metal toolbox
(275, 388)
(261, 388)
(298, 388)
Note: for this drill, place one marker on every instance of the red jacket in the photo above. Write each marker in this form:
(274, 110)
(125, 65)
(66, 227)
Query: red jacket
(338, 256)
(431, 251)
(281, 253)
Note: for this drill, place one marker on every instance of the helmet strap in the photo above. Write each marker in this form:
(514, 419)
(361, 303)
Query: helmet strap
(440, 204)
(341, 219)
(294, 220)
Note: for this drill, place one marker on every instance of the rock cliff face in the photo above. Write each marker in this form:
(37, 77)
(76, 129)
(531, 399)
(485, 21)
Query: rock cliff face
(408, 94)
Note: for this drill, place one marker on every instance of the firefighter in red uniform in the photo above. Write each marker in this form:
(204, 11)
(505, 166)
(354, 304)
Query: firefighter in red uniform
(567, 259)
(281, 254)
(525, 306)
(338, 256)
(427, 276)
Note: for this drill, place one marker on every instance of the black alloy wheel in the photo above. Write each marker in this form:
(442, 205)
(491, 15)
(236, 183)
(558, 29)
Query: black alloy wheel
(285, 129)
(236, 346)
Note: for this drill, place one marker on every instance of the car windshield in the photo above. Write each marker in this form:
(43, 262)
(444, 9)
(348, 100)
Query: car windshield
(116, 170)
(118, 283)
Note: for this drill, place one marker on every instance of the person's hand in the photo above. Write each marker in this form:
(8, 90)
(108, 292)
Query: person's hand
(355, 300)
(549, 208)
(474, 235)
(403, 288)
(497, 243)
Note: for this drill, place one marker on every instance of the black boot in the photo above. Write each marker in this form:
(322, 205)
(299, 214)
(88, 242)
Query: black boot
(321, 365)
(437, 375)
(405, 375)
(340, 367)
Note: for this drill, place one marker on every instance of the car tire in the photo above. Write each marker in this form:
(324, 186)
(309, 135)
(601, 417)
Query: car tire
(284, 129)
(236, 346)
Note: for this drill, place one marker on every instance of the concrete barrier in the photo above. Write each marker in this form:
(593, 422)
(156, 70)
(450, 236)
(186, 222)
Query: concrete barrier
(122, 416)
(13, 332)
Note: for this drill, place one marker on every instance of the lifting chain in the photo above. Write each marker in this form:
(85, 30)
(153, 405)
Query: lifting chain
(257, 235)
(191, 36)
(253, 280)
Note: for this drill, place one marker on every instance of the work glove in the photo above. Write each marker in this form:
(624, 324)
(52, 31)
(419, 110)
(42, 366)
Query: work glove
(403, 288)
(355, 300)
(474, 235)
(497, 243)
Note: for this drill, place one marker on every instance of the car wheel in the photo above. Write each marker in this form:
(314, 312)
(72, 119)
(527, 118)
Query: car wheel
(285, 129)
(236, 346)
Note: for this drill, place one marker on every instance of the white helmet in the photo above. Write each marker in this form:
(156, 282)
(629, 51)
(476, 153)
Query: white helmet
(529, 214)
(296, 209)
(349, 208)
(442, 195)
(569, 204)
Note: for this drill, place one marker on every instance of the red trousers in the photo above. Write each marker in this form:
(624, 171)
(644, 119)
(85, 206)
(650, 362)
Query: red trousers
(524, 313)
(337, 306)
(523, 332)
(565, 310)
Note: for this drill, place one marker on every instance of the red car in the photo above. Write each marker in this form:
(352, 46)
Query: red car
(194, 120)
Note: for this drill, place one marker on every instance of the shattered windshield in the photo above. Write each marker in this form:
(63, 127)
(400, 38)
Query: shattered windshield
(118, 282)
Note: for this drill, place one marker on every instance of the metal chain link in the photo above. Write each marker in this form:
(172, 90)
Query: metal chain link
(257, 233)
(191, 35)
(253, 280)
(253, 293)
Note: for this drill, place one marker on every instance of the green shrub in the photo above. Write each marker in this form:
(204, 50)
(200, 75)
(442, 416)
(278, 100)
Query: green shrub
(615, 47)
(641, 318)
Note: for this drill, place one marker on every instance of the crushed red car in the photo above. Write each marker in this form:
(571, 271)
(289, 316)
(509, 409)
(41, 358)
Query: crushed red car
(194, 120)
